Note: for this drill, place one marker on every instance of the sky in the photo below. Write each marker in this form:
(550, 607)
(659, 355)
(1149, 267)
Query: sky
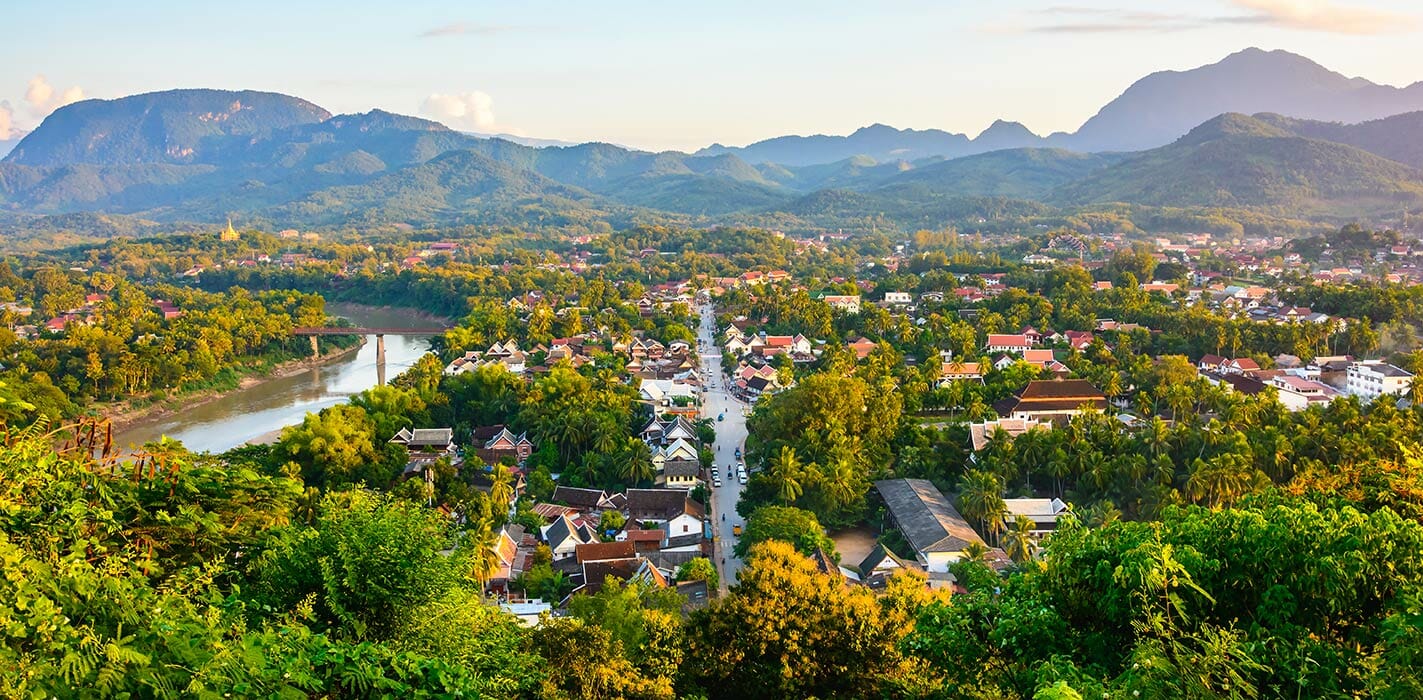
(677, 75)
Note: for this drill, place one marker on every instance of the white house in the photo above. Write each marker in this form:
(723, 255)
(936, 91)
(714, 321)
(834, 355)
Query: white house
(1002, 342)
(1372, 379)
(1297, 393)
(1044, 512)
(898, 298)
(848, 303)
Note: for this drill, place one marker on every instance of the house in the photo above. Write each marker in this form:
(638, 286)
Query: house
(664, 392)
(1297, 393)
(604, 551)
(634, 569)
(670, 509)
(1211, 363)
(661, 432)
(959, 371)
(1014, 343)
(847, 303)
(678, 464)
(586, 500)
(898, 298)
(504, 443)
(980, 434)
(1240, 365)
(879, 565)
(862, 347)
(1044, 512)
(565, 534)
(426, 440)
(1052, 399)
(1078, 340)
(1372, 379)
(933, 527)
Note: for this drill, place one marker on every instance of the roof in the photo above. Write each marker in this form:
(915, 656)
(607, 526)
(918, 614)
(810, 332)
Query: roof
(582, 498)
(878, 556)
(602, 551)
(925, 516)
(1054, 395)
(981, 433)
(425, 437)
(560, 530)
(681, 467)
(1035, 508)
(1015, 340)
(665, 504)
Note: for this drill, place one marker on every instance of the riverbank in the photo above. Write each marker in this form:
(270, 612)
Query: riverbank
(124, 415)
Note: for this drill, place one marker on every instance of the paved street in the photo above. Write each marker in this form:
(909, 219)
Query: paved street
(730, 434)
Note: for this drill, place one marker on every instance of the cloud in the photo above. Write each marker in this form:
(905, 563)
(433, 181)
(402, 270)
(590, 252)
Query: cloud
(1325, 16)
(1304, 15)
(463, 29)
(472, 111)
(42, 98)
(7, 122)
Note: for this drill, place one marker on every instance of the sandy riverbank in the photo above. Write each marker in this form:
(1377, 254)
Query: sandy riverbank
(123, 415)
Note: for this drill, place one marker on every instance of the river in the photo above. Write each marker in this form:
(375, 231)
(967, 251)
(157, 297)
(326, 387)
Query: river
(256, 412)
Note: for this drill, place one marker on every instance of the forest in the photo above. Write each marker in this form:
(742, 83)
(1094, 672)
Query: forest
(1217, 546)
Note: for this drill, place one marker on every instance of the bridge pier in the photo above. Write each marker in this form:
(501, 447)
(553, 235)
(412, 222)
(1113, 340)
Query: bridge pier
(315, 351)
(380, 359)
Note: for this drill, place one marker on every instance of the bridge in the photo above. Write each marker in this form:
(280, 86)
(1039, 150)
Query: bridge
(380, 333)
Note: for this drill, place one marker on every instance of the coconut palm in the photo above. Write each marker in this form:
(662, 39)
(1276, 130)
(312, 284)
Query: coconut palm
(840, 481)
(1019, 542)
(483, 556)
(635, 462)
(501, 488)
(981, 499)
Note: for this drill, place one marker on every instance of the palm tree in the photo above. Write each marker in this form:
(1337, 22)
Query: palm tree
(788, 472)
(483, 555)
(840, 481)
(1019, 542)
(501, 488)
(975, 551)
(635, 463)
(981, 498)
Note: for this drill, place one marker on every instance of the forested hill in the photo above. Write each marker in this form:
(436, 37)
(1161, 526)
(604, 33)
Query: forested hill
(202, 156)
(1239, 161)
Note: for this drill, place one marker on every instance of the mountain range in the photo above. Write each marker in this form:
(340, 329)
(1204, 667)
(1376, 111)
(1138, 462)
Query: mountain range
(1321, 145)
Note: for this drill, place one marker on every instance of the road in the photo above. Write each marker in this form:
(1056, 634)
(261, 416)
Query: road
(730, 435)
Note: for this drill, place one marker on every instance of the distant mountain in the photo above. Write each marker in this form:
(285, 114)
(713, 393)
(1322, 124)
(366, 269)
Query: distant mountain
(1242, 162)
(857, 171)
(1001, 135)
(1399, 137)
(1025, 173)
(459, 186)
(1152, 112)
(161, 159)
(176, 126)
(1162, 106)
(880, 142)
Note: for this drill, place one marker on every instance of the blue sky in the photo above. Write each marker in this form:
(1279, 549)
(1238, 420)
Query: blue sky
(678, 74)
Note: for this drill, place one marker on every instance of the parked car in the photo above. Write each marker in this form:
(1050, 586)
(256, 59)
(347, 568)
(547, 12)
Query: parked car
(736, 529)
(741, 478)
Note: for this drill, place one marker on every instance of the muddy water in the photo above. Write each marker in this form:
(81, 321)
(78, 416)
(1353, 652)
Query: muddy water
(258, 412)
